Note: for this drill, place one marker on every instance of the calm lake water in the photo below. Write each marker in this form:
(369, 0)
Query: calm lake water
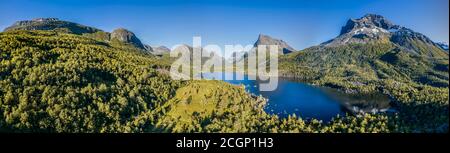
(307, 101)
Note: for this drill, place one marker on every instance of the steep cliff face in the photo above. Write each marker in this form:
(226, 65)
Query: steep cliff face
(126, 36)
(283, 47)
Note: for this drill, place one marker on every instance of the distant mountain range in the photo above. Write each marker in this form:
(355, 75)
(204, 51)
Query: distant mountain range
(370, 28)
(121, 35)
(77, 78)
(157, 50)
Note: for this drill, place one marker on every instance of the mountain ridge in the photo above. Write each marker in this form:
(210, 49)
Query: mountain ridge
(74, 83)
(121, 35)
(373, 48)
(51, 24)
(376, 28)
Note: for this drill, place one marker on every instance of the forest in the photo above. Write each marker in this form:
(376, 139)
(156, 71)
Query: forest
(417, 84)
(52, 81)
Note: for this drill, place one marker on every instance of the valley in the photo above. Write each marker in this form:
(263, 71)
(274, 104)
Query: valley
(60, 76)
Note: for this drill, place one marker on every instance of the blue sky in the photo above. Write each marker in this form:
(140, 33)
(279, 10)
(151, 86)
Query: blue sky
(301, 23)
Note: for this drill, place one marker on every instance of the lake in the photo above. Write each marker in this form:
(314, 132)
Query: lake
(307, 101)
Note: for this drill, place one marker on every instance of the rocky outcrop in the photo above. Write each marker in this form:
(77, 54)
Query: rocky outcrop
(51, 24)
(283, 47)
(126, 36)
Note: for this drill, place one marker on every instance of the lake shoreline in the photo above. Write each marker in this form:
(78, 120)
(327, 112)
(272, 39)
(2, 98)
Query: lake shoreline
(311, 101)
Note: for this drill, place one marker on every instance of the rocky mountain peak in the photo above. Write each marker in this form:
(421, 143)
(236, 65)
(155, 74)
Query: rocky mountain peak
(283, 47)
(368, 28)
(369, 21)
(376, 28)
(263, 37)
(125, 36)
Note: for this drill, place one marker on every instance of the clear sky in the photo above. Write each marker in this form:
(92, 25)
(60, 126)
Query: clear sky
(301, 23)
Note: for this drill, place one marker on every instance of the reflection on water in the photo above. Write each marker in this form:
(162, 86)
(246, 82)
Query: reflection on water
(307, 101)
(358, 103)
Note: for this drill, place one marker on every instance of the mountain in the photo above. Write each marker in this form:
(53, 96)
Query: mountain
(375, 28)
(51, 81)
(157, 50)
(119, 35)
(69, 83)
(126, 36)
(373, 55)
(443, 45)
(198, 51)
(202, 56)
(51, 24)
(372, 48)
(283, 47)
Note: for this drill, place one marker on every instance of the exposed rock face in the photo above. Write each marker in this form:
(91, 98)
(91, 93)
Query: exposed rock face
(368, 21)
(126, 36)
(443, 45)
(366, 29)
(376, 28)
(157, 50)
(51, 24)
(283, 47)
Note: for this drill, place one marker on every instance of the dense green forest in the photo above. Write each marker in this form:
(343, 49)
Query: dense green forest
(60, 82)
(417, 83)
(51, 81)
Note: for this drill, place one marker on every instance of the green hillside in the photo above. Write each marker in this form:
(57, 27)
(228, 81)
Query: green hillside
(59, 82)
(68, 83)
(418, 84)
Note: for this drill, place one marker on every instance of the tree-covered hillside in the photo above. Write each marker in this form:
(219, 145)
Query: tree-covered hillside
(418, 84)
(68, 83)
(58, 82)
